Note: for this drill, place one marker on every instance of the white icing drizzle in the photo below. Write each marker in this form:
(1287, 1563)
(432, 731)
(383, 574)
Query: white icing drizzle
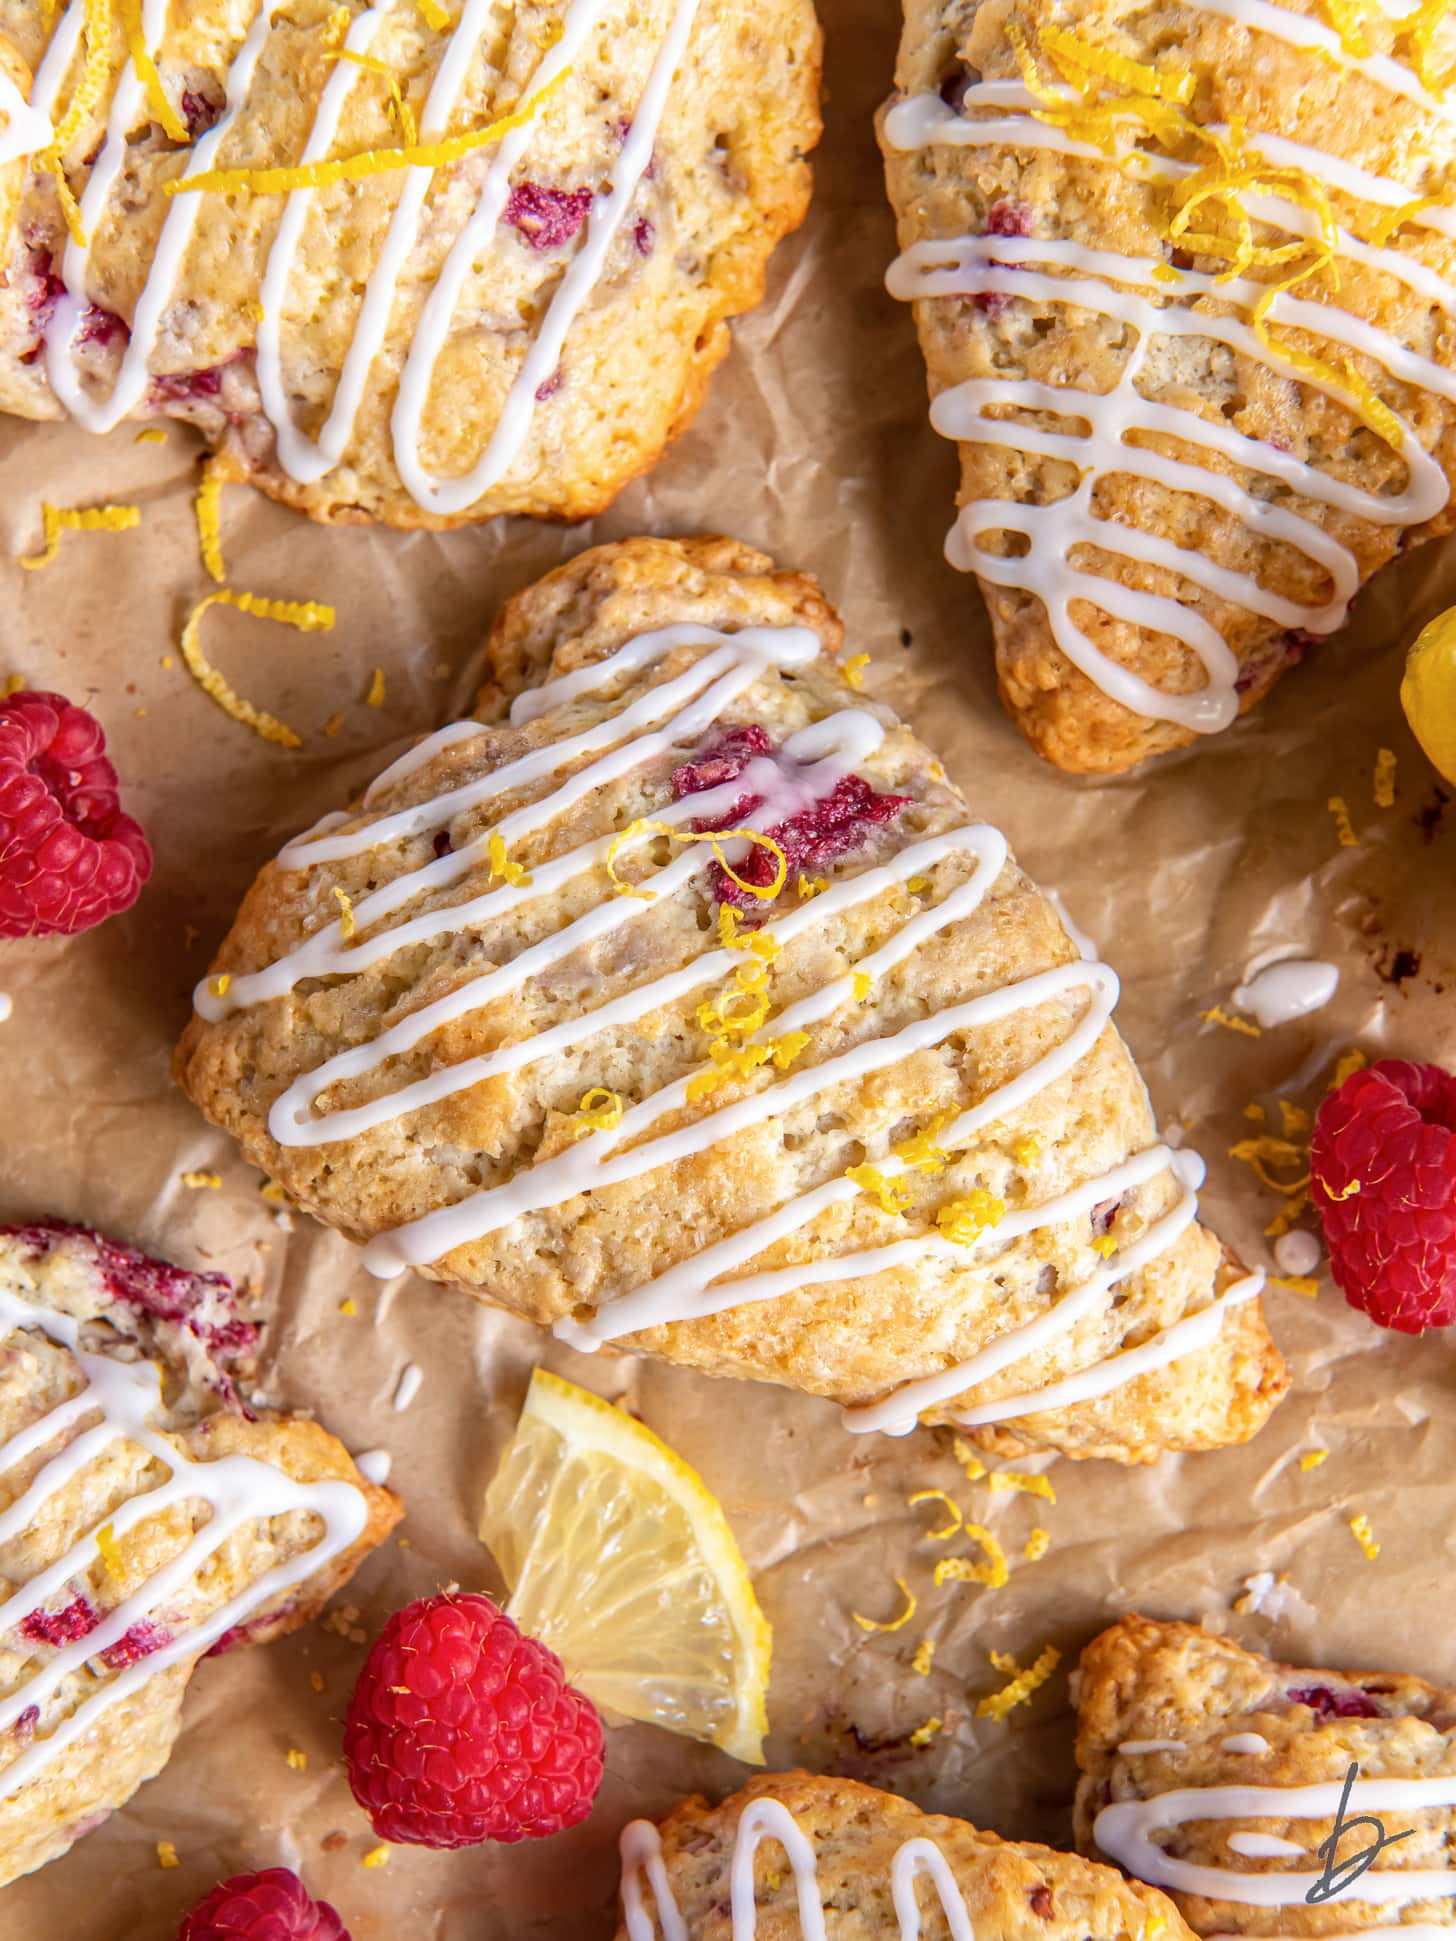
(408, 1386)
(23, 128)
(1242, 1742)
(1127, 1831)
(1133, 1748)
(1110, 284)
(306, 458)
(1265, 1846)
(639, 726)
(239, 1491)
(375, 1465)
(1291, 988)
(642, 1859)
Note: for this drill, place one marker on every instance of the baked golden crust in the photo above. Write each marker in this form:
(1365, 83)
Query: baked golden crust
(1147, 1683)
(181, 1325)
(917, 1316)
(1011, 1889)
(1281, 436)
(726, 180)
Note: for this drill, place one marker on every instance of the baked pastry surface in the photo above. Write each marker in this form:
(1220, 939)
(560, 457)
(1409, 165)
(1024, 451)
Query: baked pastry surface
(521, 329)
(1199, 393)
(852, 1850)
(509, 1022)
(149, 1518)
(1226, 1740)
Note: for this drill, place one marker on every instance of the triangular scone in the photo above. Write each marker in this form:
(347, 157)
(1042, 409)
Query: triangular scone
(1168, 1711)
(871, 1867)
(518, 321)
(510, 1022)
(1206, 218)
(150, 1519)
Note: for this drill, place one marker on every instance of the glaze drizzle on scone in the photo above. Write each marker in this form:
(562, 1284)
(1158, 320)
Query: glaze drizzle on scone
(866, 1865)
(148, 1520)
(865, 1100)
(454, 255)
(1189, 1812)
(1141, 188)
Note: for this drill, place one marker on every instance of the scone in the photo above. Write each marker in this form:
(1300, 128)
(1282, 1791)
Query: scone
(518, 321)
(1184, 279)
(1216, 1775)
(151, 1518)
(680, 1002)
(832, 1860)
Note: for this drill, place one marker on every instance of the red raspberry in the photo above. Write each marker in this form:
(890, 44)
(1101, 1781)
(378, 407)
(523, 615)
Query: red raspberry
(1383, 1176)
(271, 1906)
(68, 857)
(462, 1730)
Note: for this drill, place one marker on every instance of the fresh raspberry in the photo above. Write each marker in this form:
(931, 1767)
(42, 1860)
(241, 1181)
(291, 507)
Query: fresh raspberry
(831, 828)
(69, 858)
(462, 1730)
(1383, 1173)
(271, 1906)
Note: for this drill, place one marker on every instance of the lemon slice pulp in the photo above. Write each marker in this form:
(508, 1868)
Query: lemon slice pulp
(1428, 691)
(621, 1560)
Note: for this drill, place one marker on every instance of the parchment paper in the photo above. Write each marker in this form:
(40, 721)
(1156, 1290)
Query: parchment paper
(814, 444)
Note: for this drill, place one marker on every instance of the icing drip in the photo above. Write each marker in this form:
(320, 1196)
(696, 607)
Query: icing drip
(1153, 300)
(1291, 988)
(302, 457)
(1128, 1830)
(23, 128)
(239, 1491)
(643, 725)
(641, 1848)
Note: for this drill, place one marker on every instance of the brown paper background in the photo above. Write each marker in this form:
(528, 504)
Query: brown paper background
(814, 444)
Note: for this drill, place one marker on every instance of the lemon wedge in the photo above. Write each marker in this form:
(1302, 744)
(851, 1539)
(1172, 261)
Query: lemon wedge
(1428, 692)
(620, 1559)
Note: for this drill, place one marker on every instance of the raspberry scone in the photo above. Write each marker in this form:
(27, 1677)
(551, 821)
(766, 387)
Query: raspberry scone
(1184, 277)
(833, 1859)
(417, 264)
(151, 1518)
(1217, 1775)
(680, 1002)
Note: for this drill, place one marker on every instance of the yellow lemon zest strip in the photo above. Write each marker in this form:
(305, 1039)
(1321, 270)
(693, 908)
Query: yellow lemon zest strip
(923, 1734)
(1021, 1686)
(209, 521)
(375, 696)
(404, 114)
(109, 1550)
(920, 1152)
(1350, 1061)
(1362, 1533)
(1339, 809)
(1104, 1244)
(599, 1111)
(893, 1195)
(964, 1570)
(812, 885)
(1037, 1545)
(220, 984)
(1079, 58)
(376, 1857)
(1264, 1151)
(1384, 783)
(146, 68)
(1217, 1015)
(1015, 1479)
(969, 1461)
(861, 984)
(924, 1653)
(307, 616)
(167, 1854)
(1312, 1458)
(1347, 1191)
(853, 669)
(964, 1220)
(715, 838)
(1293, 1118)
(433, 15)
(56, 519)
(785, 1050)
(353, 168)
(150, 435)
(893, 1624)
(199, 1181)
(273, 1193)
(1295, 1283)
(501, 866)
(95, 73)
(346, 912)
(957, 1521)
